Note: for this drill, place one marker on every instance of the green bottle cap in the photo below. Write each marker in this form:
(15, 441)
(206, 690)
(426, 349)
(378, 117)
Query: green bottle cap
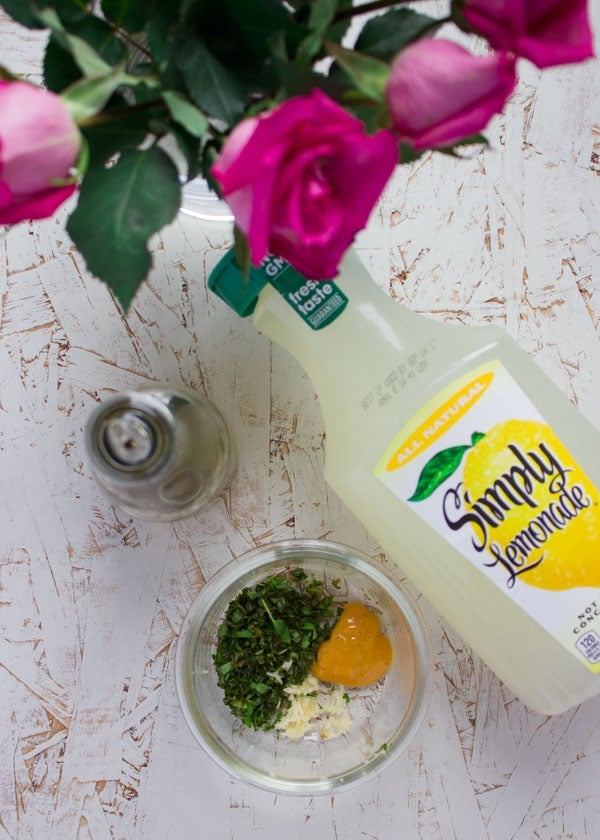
(228, 282)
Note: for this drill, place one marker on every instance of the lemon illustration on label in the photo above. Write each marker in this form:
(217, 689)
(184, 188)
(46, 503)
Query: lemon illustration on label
(542, 510)
(531, 510)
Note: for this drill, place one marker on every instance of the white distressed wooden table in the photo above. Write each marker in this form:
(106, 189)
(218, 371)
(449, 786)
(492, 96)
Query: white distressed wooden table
(92, 743)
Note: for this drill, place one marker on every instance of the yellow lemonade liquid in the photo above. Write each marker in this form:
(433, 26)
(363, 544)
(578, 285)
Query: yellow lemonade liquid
(469, 467)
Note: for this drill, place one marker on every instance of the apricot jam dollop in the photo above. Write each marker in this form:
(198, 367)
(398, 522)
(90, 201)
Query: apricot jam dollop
(357, 653)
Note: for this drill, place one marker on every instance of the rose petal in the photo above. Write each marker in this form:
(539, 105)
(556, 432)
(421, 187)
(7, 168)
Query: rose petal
(39, 140)
(38, 206)
(547, 32)
(302, 179)
(439, 93)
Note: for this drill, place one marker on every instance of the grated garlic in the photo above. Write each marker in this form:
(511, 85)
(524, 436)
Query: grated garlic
(315, 707)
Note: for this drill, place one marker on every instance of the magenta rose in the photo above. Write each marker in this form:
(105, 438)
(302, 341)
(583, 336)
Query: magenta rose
(302, 180)
(438, 93)
(39, 143)
(547, 32)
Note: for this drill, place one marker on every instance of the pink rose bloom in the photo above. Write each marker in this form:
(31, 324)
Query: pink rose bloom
(302, 180)
(39, 143)
(439, 93)
(547, 32)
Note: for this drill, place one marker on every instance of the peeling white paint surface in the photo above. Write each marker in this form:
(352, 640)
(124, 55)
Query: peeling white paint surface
(92, 742)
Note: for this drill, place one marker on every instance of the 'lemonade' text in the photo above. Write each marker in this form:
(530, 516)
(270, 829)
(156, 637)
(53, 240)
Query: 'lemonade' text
(516, 487)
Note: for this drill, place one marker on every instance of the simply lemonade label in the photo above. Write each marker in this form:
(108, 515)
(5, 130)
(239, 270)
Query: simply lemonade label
(481, 466)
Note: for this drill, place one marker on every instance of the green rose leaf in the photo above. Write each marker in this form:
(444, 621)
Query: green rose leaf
(159, 31)
(71, 12)
(240, 31)
(24, 12)
(89, 61)
(297, 79)
(456, 149)
(88, 96)
(338, 28)
(370, 113)
(186, 114)
(385, 35)
(107, 138)
(321, 15)
(210, 154)
(369, 74)
(60, 69)
(119, 209)
(407, 154)
(190, 148)
(127, 14)
(212, 85)
(86, 57)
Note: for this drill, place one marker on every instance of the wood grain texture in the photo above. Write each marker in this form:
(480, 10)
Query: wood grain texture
(91, 601)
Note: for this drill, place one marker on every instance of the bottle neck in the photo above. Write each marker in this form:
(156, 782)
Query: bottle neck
(346, 356)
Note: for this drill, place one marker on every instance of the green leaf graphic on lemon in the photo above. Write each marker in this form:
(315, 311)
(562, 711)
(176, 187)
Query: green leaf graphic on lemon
(441, 467)
(571, 553)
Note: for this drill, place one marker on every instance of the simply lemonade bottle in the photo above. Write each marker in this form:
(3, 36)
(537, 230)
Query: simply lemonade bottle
(465, 462)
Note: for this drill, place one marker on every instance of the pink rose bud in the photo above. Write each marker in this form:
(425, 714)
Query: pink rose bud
(439, 93)
(302, 180)
(39, 144)
(547, 32)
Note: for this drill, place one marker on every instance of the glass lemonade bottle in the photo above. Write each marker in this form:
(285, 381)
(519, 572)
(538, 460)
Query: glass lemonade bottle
(462, 459)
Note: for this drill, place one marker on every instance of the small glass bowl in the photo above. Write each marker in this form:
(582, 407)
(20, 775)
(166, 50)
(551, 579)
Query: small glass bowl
(385, 716)
(200, 202)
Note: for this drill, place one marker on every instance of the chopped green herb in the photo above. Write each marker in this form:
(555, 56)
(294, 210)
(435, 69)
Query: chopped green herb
(268, 640)
(382, 748)
(346, 696)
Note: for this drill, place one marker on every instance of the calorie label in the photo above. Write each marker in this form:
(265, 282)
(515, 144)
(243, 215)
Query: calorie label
(589, 645)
